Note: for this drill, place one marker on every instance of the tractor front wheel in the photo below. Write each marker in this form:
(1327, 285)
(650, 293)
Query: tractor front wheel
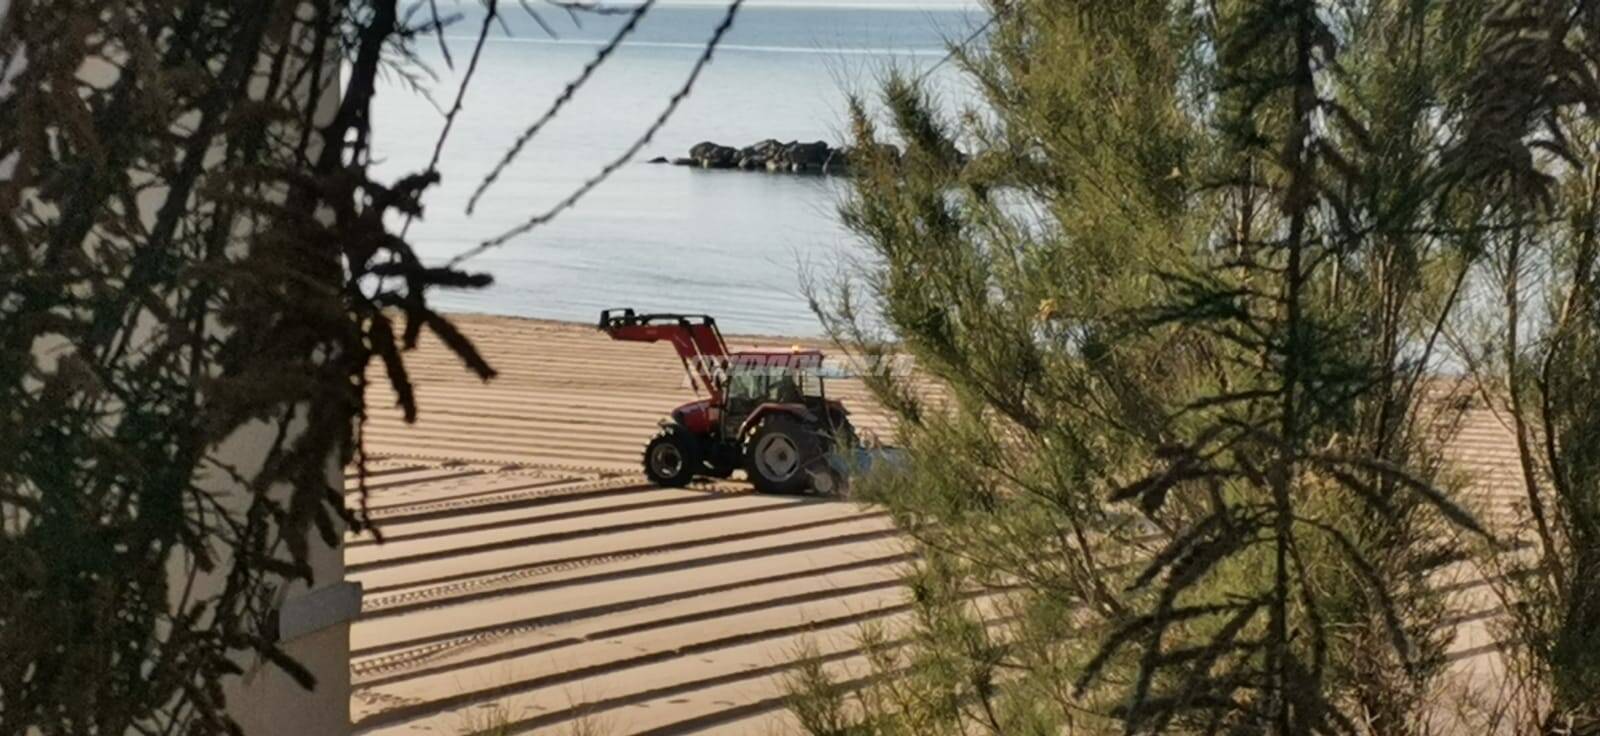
(778, 453)
(671, 458)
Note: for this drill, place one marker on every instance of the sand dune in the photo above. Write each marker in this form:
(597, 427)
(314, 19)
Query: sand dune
(530, 573)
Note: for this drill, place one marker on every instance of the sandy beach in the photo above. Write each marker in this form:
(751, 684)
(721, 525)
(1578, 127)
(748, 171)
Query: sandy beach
(531, 575)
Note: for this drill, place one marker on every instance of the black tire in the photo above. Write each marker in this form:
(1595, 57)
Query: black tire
(778, 453)
(672, 457)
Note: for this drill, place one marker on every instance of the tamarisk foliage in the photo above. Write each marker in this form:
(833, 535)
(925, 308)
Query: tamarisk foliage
(197, 267)
(1535, 360)
(1192, 302)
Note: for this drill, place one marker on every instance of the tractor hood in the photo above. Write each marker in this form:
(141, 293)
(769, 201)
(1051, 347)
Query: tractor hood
(698, 417)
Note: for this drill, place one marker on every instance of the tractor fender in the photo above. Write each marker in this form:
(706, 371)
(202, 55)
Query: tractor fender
(799, 411)
(699, 417)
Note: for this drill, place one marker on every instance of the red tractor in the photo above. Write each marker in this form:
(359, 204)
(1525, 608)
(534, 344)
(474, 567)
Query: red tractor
(765, 411)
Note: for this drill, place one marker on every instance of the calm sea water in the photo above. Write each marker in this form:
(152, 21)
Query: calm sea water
(661, 238)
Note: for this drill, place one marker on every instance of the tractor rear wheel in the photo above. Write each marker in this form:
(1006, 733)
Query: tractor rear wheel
(779, 453)
(672, 457)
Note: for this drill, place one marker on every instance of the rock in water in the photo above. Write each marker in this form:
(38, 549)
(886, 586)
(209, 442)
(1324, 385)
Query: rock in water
(714, 156)
(794, 156)
(658, 160)
(757, 156)
(844, 159)
(889, 151)
(806, 156)
(766, 149)
(838, 162)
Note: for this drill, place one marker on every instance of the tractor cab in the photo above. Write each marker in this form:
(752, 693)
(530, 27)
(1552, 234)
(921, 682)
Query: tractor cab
(770, 378)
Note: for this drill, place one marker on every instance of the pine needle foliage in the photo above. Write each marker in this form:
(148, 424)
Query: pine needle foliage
(1190, 303)
(1535, 361)
(1542, 383)
(197, 267)
(188, 267)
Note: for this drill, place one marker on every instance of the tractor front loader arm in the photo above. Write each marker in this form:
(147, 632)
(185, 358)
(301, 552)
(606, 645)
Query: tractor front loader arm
(695, 337)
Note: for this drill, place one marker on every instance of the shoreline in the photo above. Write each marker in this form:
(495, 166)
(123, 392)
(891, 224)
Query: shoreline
(471, 316)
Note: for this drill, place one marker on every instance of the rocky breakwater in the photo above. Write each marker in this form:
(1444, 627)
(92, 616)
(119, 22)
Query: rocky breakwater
(816, 157)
